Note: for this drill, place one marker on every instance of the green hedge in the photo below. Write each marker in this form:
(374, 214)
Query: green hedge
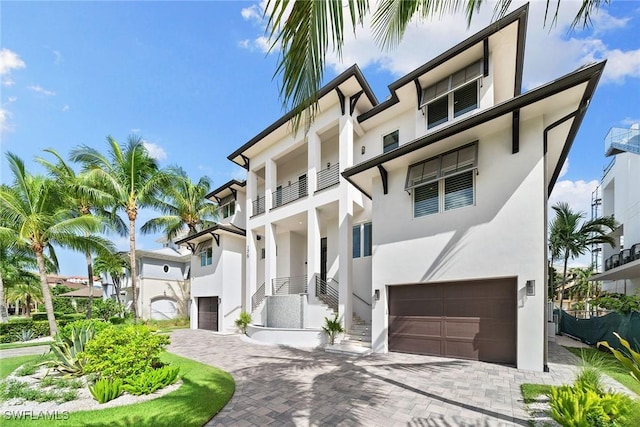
(43, 316)
(40, 328)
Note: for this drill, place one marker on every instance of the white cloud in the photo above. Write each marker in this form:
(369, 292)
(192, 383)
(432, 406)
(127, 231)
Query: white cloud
(252, 13)
(245, 44)
(9, 61)
(58, 57)
(628, 121)
(7, 81)
(4, 121)
(12, 99)
(603, 22)
(65, 108)
(40, 89)
(565, 168)
(155, 151)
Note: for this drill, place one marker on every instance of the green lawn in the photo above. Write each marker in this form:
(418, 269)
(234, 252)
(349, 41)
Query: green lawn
(530, 392)
(613, 368)
(6, 346)
(204, 392)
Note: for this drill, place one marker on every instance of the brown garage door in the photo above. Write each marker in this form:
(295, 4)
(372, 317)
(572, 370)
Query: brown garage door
(470, 320)
(208, 313)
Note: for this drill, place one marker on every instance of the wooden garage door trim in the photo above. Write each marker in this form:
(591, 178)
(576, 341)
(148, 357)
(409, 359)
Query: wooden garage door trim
(473, 319)
(208, 313)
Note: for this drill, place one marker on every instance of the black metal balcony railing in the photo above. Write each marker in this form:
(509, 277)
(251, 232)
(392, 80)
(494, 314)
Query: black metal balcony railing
(327, 292)
(257, 297)
(258, 205)
(291, 192)
(289, 285)
(625, 256)
(329, 177)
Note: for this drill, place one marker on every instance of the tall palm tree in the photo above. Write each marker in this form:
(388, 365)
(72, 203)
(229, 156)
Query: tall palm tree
(184, 207)
(25, 292)
(304, 30)
(33, 214)
(84, 199)
(115, 265)
(572, 236)
(134, 180)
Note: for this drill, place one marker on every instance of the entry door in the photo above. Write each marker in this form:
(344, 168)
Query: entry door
(208, 313)
(323, 265)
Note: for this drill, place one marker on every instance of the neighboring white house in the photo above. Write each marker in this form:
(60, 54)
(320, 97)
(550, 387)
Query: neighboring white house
(620, 197)
(421, 220)
(163, 283)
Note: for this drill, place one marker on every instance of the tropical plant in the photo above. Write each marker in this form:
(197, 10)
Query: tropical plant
(104, 390)
(184, 206)
(114, 266)
(133, 178)
(33, 213)
(106, 309)
(575, 406)
(332, 327)
(67, 350)
(84, 199)
(630, 361)
(621, 303)
(303, 32)
(243, 321)
(571, 236)
(151, 380)
(25, 335)
(26, 293)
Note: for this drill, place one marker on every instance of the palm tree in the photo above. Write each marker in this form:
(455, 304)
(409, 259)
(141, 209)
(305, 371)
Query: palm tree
(33, 214)
(184, 207)
(134, 180)
(84, 199)
(115, 265)
(26, 292)
(304, 30)
(571, 237)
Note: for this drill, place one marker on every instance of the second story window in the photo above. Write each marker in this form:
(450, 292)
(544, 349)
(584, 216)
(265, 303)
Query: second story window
(206, 257)
(362, 240)
(452, 96)
(390, 141)
(227, 207)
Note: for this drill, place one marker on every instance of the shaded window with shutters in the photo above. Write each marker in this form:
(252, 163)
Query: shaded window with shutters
(444, 182)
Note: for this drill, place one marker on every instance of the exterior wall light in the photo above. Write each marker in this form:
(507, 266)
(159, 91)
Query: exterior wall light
(258, 237)
(531, 288)
(362, 150)
(376, 294)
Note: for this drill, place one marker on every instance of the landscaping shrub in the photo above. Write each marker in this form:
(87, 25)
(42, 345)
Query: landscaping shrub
(68, 350)
(104, 309)
(573, 406)
(243, 321)
(151, 380)
(124, 351)
(43, 316)
(117, 320)
(332, 327)
(105, 390)
(97, 325)
(24, 335)
(9, 330)
(73, 317)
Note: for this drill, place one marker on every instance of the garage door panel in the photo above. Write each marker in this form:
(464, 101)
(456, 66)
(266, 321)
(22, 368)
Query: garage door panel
(472, 319)
(208, 313)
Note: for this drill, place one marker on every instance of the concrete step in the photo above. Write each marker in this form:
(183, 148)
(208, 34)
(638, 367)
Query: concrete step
(357, 339)
(349, 349)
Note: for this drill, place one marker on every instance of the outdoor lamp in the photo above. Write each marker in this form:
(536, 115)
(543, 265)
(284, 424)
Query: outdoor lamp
(531, 288)
(376, 294)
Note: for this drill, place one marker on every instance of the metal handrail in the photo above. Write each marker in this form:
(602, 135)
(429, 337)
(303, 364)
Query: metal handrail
(258, 297)
(258, 205)
(329, 177)
(289, 285)
(327, 293)
(288, 194)
(361, 299)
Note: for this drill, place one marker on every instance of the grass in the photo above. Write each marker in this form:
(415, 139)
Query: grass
(7, 346)
(204, 392)
(531, 392)
(613, 368)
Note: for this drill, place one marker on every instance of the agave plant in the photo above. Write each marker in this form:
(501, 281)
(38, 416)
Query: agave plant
(25, 335)
(67, 350)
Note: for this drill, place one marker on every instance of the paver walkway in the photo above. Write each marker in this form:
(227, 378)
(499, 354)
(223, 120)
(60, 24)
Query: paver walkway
(278, 385)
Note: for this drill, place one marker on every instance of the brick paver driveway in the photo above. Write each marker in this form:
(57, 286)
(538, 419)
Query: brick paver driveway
(278, 385)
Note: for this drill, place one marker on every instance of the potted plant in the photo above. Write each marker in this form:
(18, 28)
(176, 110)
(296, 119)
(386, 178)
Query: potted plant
(332, 327)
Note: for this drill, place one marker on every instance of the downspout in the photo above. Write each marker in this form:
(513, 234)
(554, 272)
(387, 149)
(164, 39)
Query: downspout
(546, 288)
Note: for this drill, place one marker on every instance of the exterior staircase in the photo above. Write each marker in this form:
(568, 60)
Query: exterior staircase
(357, 340)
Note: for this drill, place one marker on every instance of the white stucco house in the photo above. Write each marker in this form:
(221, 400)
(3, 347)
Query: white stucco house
(421, 220)
(618, 195)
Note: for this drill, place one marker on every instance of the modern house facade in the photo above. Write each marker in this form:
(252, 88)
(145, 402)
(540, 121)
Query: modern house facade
(420, 220)
(618, 195)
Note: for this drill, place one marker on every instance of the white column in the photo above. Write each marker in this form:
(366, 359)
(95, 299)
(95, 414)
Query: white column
(314, 155)
(345, 224)
(252, 193)
(251, 278)
(271, 179)
(313, 248)
(270, 256)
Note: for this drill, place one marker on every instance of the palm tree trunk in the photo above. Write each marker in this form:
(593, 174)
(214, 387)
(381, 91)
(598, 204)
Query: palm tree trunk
(4, 317)
(90, 273)
(132, 261)
(46, 295)
(564, 282)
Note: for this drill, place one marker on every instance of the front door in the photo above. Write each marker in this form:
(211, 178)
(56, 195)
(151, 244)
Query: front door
(323, 265)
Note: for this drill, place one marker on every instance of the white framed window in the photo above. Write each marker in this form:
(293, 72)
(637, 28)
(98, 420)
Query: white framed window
(444, 182)
(452, 96)
(391, 141)
(227, 207)
(362, 240)
(206, 257)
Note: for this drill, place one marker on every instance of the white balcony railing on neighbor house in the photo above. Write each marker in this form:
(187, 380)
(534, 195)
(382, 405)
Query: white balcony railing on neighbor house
(329, 176)
(257, 297)
(258, 205)
(289, 285)
(619, 140)
(288, 194)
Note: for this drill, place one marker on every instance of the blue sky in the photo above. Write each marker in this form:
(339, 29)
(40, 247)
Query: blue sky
(194, 80)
